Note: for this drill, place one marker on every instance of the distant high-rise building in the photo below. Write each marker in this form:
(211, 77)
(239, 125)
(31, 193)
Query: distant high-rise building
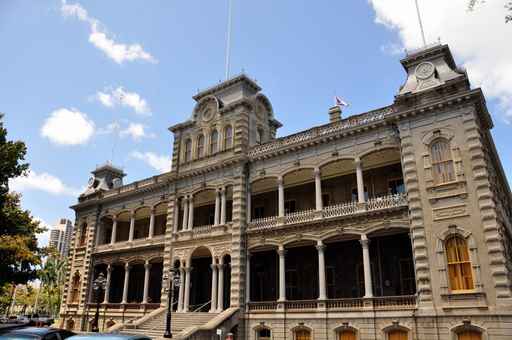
(60, 236)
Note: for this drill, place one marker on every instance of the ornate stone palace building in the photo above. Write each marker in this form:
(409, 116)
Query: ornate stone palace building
(390, 224)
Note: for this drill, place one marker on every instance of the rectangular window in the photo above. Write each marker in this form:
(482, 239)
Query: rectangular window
(289, 207)
(396, 186)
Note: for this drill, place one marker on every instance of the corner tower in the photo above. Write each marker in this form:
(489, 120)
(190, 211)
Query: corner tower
(227, 119)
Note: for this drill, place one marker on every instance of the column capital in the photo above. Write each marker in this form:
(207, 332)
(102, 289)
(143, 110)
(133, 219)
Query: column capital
(358, 161)
(280, 180)
(220, 266)
(127, 266)
(281, 251)
(364, 240)
(114, 218)
(147, 265)
(317, 171)
(188, 269)
(109, 267)
(320, 247)
(213, 266)
(248, 255)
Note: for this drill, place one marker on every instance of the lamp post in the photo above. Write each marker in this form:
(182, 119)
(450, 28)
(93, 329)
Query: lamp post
(98, 285)
(173, 281)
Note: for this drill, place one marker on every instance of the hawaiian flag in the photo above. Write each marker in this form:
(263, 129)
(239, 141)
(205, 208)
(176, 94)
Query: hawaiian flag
(339, 102)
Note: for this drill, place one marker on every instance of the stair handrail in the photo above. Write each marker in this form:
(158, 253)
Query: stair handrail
(215, 322)
(201, 306)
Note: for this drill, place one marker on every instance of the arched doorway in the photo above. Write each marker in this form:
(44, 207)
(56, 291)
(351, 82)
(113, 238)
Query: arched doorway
(200, 280)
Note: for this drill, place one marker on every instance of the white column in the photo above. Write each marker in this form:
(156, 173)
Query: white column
(249, 208)
(321, 271)
(147, 268)
(368, 291)
(213, 304)
(318, 190)
(220, 294)
(191, 212)
(217, 208)
(248, 278)
(223, 206)
(176, 216)
(182, 289)
(132, 226)
(280, 193)
(360, 182)
(185, 214)
(126, 280)
(114, 231)
(107, 284)
(282, 272)
(187, 289)
(151, 223)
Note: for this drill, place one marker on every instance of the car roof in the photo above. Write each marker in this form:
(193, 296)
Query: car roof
(31, 331)
(108, 336)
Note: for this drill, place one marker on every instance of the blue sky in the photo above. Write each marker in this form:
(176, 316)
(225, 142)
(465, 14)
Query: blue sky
(77, 84)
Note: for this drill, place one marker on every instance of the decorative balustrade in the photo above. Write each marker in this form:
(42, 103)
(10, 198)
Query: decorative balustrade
(263, 223)
(326, 130)
(347, 304)
(203, 229)
(300, 216)
(332, 211)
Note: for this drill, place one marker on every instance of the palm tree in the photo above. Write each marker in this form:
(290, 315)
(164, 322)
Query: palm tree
(52, 277)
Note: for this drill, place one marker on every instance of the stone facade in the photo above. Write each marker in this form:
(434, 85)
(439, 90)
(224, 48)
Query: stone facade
(256, 225)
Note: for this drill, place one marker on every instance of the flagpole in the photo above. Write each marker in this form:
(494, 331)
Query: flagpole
(228, 42)
(421, 24)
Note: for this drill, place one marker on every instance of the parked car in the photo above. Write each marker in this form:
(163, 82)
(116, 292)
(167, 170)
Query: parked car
(43, 333)
(109, 336)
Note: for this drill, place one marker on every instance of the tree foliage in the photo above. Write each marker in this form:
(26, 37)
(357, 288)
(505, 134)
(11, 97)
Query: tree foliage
(19, 252)
(52, 277)
(508, 6)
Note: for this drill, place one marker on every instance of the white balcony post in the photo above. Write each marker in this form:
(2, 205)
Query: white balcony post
(187, 289)
(151, 223)
(220, 294)
(181, 290)
(132, 226)
(114, 230)
(185, 214)
(147, 268)
(360, 182)
(318, 190)
(282, 272)
(248, 278)
(217, 207)
(368, 293)
(213, 303)
(176, 215)
(280, 193)
(223, 206)
(191, 212)
(126, 281)
(321, 271)
(107, 284)
(249, 208)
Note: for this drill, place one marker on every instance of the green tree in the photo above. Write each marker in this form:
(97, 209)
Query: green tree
(19, 252)
(52, 277)
(508, 6)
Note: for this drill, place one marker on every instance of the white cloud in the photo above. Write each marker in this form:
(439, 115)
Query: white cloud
(119, 96)
(44, 237)
(480, 39)
(68, 127)
(161, 163)
(99, 37)
(42, 182)
(135, 131)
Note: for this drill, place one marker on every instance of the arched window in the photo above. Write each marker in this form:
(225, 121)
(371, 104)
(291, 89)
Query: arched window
(188, 150)
(75, 288)
(442, 162)
(459, 264)
(83, 234)
(214, 142)
(347, 335)
(469, 335)
(264, 334)
(302, 334)
(200, 146)
(397, 334)
(228, 137)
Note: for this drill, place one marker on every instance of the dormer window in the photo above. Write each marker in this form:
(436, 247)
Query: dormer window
(214, 142)
(228, 137)
(200, 146)
(188, 150)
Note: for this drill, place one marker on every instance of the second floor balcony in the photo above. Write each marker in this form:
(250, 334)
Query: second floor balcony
(341, 187)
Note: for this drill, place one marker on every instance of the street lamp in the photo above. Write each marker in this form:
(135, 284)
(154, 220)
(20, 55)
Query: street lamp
(98, 285)
(173, 281)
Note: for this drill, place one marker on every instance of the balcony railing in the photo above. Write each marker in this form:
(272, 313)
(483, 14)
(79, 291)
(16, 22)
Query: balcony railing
(404, 302)
(332, 211)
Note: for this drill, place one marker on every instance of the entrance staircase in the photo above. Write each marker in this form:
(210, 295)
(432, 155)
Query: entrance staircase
(183, 325)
